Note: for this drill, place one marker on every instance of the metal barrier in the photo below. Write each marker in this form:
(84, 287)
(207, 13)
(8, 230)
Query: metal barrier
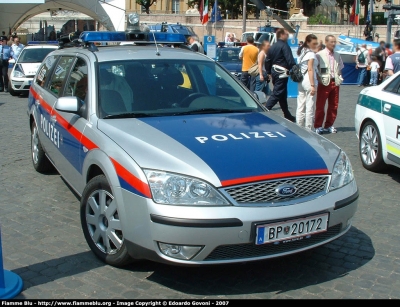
(10, 283)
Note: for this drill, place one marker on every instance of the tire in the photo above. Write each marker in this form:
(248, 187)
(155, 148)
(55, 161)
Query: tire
(11, 91)
(100, 223)
(370, 147)
(39, 160)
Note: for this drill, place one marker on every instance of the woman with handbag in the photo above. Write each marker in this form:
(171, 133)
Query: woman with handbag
(307, 88)
(262, 80)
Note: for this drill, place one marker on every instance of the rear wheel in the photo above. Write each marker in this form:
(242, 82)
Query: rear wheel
(370, 147)
(40, 162)
(101, 224)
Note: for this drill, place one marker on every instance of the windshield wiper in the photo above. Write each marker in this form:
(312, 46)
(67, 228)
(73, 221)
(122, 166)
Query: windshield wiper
(214, 111)
(128, 115)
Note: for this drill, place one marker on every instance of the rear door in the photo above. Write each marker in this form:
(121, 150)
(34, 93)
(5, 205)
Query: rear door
(391, 119)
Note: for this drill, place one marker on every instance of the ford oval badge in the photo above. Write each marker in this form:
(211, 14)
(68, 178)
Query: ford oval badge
(286, 190)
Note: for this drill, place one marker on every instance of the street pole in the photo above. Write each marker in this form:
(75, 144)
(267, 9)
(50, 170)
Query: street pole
(244, 16)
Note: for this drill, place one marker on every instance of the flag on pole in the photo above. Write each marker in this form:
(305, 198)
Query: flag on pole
(353, 12)
(201, 9)
(216, 13)
(205, 13)
(357, 19)
(370, 11)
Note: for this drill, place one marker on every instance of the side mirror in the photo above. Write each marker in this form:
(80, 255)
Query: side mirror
(262, 98)
(70, 104)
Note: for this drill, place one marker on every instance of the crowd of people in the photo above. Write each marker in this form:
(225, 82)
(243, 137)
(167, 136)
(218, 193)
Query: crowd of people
(10, 48)
(321, 66)
(375, 65)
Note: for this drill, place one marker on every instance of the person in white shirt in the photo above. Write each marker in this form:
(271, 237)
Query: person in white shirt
(17, 47)
(361, 65)
(374, 71)
(307, 88)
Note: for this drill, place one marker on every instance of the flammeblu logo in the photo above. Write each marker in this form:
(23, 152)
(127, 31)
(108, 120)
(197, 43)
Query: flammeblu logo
(240, 136)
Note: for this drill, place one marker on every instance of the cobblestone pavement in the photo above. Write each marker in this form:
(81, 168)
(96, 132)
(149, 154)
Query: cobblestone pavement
(44, 244)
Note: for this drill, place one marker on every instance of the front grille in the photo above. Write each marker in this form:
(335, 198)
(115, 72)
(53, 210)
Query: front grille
(250, 250)
(264, 192)
(26, 87)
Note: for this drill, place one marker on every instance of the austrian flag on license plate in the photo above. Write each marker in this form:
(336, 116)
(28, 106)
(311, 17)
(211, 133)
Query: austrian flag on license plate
(291, 230)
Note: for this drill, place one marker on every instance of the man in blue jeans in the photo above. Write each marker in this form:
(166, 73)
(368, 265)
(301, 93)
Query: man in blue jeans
(361, 65)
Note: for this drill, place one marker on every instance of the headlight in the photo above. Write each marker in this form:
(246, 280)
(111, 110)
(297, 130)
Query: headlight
(18, 72)
(175, 189)
(342, 173)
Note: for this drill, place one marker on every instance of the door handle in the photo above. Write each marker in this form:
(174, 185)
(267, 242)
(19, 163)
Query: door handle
(53, 119)
(386, 107)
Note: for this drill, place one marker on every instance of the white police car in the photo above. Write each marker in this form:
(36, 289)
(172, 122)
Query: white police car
(25, 67)
(176, 161)
(377, 123)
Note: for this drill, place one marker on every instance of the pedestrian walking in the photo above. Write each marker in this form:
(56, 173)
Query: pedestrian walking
(262, 79)
(248, 54)
(330, 67)
(374, 71)
(17, 47)
(393, 62)
(361, 65)
(6, 54)
(308, 87)
(380, 53)
(279, 62)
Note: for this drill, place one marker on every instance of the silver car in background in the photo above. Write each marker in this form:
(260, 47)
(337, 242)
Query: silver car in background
(176, 161)
(25, 68)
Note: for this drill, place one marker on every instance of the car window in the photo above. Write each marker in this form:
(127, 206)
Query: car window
(228, 55)
(34, 55)
(57, 79)
(166, 87)
(393, 86)
(44, 70)
(77, 84)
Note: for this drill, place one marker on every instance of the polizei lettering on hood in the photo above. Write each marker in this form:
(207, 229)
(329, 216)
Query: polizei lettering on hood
(240, 136)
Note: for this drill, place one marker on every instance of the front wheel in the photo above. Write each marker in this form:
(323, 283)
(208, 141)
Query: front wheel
(11, 91)
(40, 162)
(370, 147)
(101, 224)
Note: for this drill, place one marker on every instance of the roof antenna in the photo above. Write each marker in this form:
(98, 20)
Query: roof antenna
(155, 41)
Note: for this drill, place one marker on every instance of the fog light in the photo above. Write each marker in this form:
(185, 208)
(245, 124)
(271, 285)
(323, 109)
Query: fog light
(184, 252)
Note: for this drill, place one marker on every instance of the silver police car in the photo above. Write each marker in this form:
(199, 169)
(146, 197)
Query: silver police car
(175, 161)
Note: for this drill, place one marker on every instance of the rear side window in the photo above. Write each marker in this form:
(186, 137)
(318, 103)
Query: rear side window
(44, 70)
(57, 79)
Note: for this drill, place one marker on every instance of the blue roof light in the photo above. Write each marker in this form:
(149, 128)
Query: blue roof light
(102, 36)
(166, 38)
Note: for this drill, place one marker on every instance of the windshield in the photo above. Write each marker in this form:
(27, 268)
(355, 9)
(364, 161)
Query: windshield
(163, 87)
(228, 54)
(182, 29)
(34, 55)
(345, 48)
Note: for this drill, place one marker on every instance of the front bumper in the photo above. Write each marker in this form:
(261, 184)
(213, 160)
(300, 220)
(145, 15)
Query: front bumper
(21, 84)
(227, 234)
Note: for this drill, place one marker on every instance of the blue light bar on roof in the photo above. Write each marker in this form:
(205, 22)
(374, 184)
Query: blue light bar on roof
(102, 36)
(42, 42)
(172, 38)
(138, 37)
